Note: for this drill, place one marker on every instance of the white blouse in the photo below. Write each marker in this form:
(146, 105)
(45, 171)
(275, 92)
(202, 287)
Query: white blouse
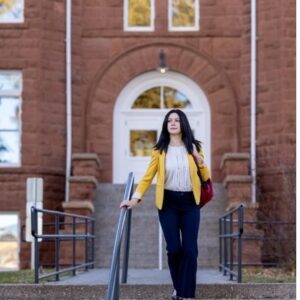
(177, 170)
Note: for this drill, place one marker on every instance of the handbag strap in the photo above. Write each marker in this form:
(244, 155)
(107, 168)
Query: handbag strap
(198, 169)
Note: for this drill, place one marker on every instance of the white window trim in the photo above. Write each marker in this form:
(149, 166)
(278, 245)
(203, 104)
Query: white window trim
(139, 28)
(14, 93)
(184, 28)
(14, 21)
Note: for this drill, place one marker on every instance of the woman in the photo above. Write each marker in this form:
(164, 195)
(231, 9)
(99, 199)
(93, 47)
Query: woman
(177, 198)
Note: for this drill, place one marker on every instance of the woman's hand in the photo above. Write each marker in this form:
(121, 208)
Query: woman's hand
(197, 156)
(130, 203)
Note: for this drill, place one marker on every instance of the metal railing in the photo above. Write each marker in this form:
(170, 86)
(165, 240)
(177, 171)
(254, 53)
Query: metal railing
(84, 232)
(227, 236)
(277, 234)
(123, 224)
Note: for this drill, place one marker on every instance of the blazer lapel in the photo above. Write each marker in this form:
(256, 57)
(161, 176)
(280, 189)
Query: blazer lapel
(162, 163)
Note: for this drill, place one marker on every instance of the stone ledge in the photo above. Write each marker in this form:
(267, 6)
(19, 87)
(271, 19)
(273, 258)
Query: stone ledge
(85, 204)
(87, 156)
(234, 156)
(81, 291)
(85, 179)
(237, 179)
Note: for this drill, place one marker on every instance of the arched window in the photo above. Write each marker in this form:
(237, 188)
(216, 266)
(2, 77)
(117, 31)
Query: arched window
(160, 98)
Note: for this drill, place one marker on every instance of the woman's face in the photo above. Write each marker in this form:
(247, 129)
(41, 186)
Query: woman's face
(174, 124)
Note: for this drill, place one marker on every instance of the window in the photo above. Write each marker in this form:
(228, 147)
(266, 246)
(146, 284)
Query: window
(9, 241)
(10, 118)
(161, 97)
(11, 11)
(142, 142)
(139, 15)
(183, 15)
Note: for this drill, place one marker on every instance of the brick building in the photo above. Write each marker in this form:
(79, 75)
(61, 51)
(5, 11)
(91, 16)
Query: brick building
(115, 56)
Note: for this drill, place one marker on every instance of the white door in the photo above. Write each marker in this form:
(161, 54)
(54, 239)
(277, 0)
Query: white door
(139, 114)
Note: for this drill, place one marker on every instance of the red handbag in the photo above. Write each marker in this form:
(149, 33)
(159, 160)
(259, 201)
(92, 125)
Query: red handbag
(207, 191)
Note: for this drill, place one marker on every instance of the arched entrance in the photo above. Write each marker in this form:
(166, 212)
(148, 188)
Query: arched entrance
(138, 116)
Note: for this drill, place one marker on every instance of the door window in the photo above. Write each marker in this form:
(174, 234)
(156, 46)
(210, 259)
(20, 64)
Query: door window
(162, 97)
(142, 142)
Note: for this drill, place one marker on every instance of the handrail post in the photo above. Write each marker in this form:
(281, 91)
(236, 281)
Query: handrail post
(225, 247)
(57, 247)
(231, 247)
(220, 245)
(36, 245)
(126, 247)
(74, 245)
(241, 221)
(93, 242)
(86, 245)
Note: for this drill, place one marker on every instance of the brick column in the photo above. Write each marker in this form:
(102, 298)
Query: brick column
(83, 183)
(237, 182)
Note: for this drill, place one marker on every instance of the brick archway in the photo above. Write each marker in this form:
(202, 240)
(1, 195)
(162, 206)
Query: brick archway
(202, 69)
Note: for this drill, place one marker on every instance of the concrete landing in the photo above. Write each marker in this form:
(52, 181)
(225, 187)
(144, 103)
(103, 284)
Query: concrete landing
(142, 276)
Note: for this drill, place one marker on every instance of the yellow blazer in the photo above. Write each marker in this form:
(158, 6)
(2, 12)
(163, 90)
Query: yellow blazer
(157, 165)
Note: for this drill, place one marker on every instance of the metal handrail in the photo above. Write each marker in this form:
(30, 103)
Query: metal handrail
(226, 234)
(124, 222)
(88, 236)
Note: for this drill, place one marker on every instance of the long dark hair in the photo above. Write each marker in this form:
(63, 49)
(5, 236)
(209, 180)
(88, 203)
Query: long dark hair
(186, 131)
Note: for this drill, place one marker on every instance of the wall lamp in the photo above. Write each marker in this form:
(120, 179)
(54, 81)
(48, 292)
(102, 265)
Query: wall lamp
(162, 64)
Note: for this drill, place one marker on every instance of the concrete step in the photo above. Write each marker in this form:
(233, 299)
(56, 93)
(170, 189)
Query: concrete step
(145, 228)
(137, 292)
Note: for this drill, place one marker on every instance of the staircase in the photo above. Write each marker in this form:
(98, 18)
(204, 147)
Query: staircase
(144, 229)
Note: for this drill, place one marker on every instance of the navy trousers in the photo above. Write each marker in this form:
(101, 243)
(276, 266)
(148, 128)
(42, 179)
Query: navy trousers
(180, 220)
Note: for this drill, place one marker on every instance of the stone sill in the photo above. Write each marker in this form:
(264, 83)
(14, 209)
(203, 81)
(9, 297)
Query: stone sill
(237, 179)
(234, 156)
(86, 204)
(87, 156)
(83, 179)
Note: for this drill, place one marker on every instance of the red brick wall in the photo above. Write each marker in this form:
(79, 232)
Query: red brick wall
(276, 112)
(112, 57)
(37, 49)
(217, 58)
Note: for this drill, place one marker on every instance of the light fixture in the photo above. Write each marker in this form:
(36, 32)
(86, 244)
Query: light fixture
(162, 65)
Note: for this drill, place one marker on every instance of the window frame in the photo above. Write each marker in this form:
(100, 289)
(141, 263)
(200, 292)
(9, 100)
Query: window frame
(128, 28)
(14, 21)
(14, 93)
(172, 28)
